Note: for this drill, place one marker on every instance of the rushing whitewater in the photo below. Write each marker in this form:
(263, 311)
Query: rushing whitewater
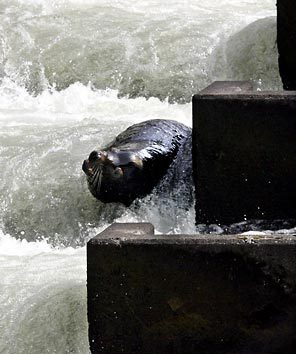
(73, 74)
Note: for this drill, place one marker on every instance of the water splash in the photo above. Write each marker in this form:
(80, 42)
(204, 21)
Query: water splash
(43, 298)
(150, 49)
(250, 54)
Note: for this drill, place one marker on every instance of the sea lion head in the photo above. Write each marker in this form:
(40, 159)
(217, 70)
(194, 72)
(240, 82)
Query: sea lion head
(113, 175)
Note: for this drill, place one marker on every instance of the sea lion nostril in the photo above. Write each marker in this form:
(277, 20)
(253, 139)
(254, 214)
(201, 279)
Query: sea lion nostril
(87, 168)
(84, 166)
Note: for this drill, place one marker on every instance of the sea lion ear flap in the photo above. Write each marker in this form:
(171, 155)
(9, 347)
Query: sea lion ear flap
(138, 161)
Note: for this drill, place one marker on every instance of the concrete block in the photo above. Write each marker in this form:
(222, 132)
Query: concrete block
(244, 153)
(188, 294)
(286, 42)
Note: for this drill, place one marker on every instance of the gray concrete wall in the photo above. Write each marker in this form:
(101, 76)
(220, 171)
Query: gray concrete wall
(189, 294)
(286, 41)
(244, 153)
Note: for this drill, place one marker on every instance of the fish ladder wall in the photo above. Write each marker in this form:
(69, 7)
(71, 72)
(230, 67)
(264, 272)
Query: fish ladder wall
(244, 153)
(188, 294)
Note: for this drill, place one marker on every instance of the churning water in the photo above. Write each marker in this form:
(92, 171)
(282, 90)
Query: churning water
(73, 74)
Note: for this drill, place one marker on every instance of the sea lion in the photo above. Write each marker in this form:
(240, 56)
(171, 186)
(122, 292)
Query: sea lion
(133, 164)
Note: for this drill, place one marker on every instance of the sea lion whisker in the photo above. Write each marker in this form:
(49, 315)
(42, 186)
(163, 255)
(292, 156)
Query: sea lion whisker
(92, 174)
(95, 169)
(97, 180)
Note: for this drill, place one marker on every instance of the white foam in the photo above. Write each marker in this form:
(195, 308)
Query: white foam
(11, 246)
(254, 233)
(43, 297)
(79, 102)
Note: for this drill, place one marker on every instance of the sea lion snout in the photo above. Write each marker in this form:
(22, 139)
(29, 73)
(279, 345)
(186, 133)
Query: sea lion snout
(105, 162)
(95, 158)
(88, 167)
(85, 166)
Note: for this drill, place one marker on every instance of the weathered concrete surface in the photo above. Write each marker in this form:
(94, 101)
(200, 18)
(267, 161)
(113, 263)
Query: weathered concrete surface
(286, 41)
(244, 153)
(227, 88)
(189, 294)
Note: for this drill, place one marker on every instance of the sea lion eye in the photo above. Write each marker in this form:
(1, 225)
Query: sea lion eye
(118, 172)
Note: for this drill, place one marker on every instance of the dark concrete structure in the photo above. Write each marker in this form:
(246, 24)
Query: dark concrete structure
(244, 153)
(189, 294)
(286, 41)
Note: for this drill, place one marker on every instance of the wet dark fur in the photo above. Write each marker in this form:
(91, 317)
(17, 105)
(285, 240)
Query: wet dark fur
(140, 156)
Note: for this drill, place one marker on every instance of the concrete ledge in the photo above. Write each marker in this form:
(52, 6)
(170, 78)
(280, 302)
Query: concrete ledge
(244, 153)
(190, 293)
(227, 87)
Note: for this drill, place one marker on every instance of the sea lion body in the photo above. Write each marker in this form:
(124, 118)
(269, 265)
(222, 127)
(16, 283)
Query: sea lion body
(133, 164)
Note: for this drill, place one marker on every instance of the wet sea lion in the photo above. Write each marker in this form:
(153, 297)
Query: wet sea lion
(133, 164)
